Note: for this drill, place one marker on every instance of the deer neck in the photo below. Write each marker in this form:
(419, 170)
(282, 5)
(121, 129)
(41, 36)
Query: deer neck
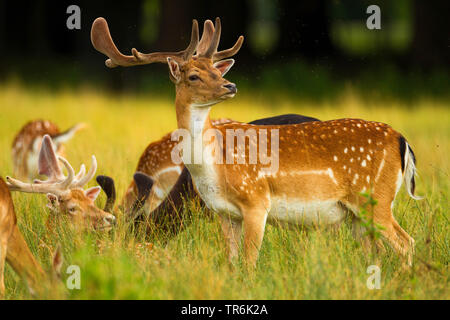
(192, 117)
(195, 119)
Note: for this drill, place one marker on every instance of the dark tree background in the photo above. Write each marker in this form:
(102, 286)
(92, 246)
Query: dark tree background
(314, 37)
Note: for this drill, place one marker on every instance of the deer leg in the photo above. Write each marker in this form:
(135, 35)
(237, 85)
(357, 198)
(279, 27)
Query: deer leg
(397, 238)
(3, 248)
(407, 242)
(359, 233)
(232, 231)
(254, 226)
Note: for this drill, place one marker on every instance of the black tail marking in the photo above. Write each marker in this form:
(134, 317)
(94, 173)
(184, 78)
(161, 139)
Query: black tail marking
(404, 147)
(402, 143)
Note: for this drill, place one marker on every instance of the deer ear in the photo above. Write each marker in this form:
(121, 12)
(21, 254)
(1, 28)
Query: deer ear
(224, 66)
(144, 185)
(58, 261)
(52, 201)
(174, 68)
(92, 193)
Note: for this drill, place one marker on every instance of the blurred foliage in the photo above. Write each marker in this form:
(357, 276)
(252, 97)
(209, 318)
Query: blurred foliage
(297, 79)
(349, 31)
(307, 50)
(263, 30)
(150, 21)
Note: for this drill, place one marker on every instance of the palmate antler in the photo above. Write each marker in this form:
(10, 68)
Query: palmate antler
(207, 47)
(57, 183)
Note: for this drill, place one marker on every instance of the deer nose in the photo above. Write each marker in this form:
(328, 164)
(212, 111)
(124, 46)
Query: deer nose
(231, 87)
(111, 220)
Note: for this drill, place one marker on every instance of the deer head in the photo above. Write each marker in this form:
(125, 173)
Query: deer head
(65, 194)
(196, 71)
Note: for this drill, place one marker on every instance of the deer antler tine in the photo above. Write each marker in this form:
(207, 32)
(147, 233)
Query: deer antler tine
(17, 185)
(92, 170)
(189, 52)
(229, 52)
(65, 184)
(81, 173)
(102, 41)
(208, 31)
(13, 184)
(215, 40)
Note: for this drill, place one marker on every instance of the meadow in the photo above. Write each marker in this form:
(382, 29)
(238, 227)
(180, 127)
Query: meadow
(293, 264)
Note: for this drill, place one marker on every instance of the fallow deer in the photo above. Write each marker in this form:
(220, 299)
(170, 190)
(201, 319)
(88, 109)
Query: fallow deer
(15, 251)
(156, 160)
(322, 166)
(167, 215)
(65, 193)
(27, 143)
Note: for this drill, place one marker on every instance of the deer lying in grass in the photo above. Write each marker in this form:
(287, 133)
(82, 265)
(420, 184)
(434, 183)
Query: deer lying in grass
(15, 251)
(156, 162)
(65, 193)
(27, 143)
(322, 167)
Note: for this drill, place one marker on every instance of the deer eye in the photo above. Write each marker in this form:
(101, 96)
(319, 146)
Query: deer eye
(72, 210)
(194, 77)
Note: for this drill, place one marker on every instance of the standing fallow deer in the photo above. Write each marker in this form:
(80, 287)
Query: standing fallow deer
(167, 215)
(15, 251)
(322, 167)
(65, 193)
(27, 143)
(156, 160)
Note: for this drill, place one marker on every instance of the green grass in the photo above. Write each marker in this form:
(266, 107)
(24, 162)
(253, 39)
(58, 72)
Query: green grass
(319, 264)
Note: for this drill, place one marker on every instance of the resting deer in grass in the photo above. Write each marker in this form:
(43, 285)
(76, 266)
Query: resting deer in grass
(65, 193)
(27, 143)
(322, 167)
(15, 251)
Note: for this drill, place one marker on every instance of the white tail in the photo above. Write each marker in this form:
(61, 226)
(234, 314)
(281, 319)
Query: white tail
(410, 173)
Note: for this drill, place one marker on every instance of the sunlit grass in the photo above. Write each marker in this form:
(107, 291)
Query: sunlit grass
(294, 264)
